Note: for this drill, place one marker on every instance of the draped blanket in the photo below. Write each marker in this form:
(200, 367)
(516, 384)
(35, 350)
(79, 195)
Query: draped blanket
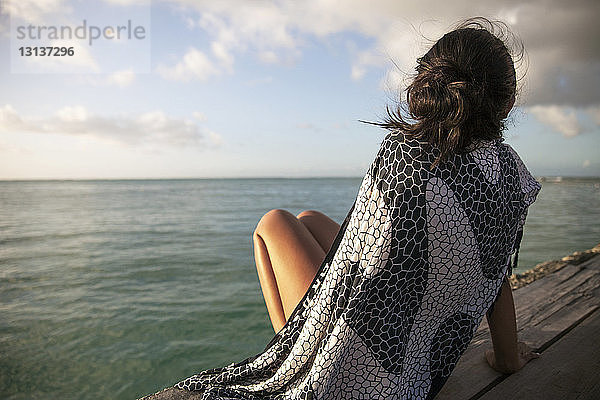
(417, 262)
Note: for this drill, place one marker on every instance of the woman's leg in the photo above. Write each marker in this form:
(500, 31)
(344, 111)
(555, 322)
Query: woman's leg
(323, 228)
(288, 251)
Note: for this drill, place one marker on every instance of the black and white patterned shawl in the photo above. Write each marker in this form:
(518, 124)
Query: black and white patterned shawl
(418, 261)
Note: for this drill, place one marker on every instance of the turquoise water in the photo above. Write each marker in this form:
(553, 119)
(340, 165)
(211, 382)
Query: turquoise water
(114, 289)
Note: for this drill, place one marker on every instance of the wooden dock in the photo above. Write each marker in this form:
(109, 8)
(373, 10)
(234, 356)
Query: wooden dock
(558, 314)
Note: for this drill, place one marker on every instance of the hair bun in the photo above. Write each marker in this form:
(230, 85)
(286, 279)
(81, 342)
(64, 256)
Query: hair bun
(443, 93)
(462, 90)
(445, 71)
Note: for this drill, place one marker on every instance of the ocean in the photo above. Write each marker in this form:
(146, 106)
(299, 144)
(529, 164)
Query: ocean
(116, 289)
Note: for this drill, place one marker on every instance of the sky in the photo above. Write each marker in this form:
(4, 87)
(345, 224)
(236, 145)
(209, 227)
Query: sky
(267, 88)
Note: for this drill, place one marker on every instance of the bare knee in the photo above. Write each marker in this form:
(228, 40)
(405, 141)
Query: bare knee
(272, 219)
(310, 213)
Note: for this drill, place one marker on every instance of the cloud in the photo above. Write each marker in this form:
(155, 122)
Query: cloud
(268, 57)
(563, 53)
(564, 58)
(151, 128)
(199, 116)
(121, 78)
(222, 55)
(366, 59)
(570, 121)
(561, 69)
(393, 82)
(586, 164)
(194, 65)
(129, 2)
(241, 24)
(563, 120)
(262, 28)
(214, 138)
(72, 114)
(363, 61)
(10, 120)
(34, 11)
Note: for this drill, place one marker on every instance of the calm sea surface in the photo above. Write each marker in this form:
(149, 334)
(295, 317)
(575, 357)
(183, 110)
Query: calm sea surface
(115, 289)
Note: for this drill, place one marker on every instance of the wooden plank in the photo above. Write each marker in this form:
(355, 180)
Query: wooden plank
(541, 294)
(571, 301)
(569, 369)
(593, 263)
(545, 309)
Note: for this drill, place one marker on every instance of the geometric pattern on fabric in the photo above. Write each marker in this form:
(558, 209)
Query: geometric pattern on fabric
(416, 264)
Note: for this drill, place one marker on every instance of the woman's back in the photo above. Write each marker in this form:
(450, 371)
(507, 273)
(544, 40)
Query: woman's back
(452, 231)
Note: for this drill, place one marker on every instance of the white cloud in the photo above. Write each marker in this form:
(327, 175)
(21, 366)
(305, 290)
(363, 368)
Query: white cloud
(366, 59)
(564, 67)
(129, 2)
(268, 57)
(564, 59)
(199, 116)
(586, 163)
(121, 78)
(194, 65)
(262, 28)
(562, 119)
(357, 72)
(72, 114)
(393, 82)
(34, 11)
(276, 32)
(151, 128)
(10, 119)
(570, 121)
(239, 24)
(223, 55)
(214, 138)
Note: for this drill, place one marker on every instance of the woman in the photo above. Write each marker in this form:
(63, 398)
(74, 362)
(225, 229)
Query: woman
(385, 307)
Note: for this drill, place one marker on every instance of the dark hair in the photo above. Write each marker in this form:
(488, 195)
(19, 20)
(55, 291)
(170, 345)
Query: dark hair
(463, 88)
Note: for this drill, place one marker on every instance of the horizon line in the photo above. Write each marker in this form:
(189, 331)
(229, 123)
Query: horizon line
(237, 178)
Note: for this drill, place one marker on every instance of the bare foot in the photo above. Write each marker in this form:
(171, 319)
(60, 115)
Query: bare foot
(525, 355)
